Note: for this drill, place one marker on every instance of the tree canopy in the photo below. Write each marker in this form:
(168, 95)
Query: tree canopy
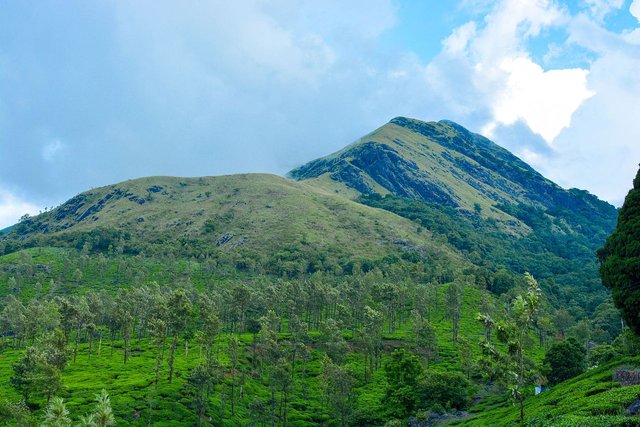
(620, 259)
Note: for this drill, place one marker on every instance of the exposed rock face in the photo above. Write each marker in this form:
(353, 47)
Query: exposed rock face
(634, 408)
(73, 212)
(444, 163)
(372, 162)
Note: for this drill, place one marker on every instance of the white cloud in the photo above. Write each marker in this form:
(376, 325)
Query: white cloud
(52, 149)
(192, 90)
(12, 208)
(458, 41)
(634, 9)
(544, 100)
(504, 78)
(587, 116)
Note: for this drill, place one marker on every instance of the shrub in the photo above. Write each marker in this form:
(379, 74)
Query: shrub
(450, 390)
(565, 359)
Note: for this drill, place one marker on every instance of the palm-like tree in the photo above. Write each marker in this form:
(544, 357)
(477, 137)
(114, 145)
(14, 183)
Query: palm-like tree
(56, 414)
(103, 413)
(87, 421)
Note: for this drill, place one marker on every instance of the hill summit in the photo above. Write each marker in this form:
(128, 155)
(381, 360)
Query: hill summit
(428, 192)
(444, 163)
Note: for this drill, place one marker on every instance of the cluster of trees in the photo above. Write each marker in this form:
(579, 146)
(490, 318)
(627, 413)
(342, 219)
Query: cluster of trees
(269, 332)
(56, 414)
(561, 257)
(620, 259)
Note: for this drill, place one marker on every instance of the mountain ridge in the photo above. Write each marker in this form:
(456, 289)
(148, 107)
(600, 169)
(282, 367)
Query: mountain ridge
(431, 191)
(445, 163)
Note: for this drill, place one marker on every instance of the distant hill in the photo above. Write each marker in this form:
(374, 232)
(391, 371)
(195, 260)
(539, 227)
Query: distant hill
(486, 202)
(444, 163)
(433, 193)
(265, 218)
(414, 221)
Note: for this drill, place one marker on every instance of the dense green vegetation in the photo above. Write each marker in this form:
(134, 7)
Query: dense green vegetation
(391, 285)
(620, 259)
(591, 399)
(563, 261)
(251, 333)
(285, 329)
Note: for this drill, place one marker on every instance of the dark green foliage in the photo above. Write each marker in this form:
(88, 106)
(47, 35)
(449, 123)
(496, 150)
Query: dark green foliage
(602, 354)
(590, 399)
(620, 259)
(402, 371)
(451, 390)
(34, 375)
(566, 359)
(337, 388)
(549, 252)
(278, 301)
(18, 414)
(511, 365)
(199, 380)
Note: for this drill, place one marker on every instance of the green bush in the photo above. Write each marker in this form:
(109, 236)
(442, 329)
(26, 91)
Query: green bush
(450, 390)
(565, 359)
(602, 354)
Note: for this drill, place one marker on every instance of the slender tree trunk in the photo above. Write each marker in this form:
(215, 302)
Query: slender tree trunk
(172, 355)
(273, 407)
(521, 409)
(284, 416)
(75, 343)
(233, 394)
(293, 363)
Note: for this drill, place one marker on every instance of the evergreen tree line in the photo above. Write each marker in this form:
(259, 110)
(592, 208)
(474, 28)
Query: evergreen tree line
(272, 333)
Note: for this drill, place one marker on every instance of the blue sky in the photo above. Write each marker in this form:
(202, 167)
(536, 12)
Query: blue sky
(95, 92)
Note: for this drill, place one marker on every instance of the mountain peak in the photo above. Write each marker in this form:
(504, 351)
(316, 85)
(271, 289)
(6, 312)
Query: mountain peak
(441, 162)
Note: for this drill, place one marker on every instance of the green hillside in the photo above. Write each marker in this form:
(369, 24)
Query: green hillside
(274, 224)
(444, 163)
(594, 398)
(487, 203)
(384, 283)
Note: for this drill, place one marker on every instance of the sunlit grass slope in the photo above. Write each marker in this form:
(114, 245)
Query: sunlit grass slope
(592, 399)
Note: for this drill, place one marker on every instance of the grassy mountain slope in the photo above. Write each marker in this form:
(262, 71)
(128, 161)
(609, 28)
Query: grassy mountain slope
(409, 205)
(480, 198)
(446, 164)
(260, 214)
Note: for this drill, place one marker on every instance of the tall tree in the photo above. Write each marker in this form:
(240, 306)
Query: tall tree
(454, 304)
(402, 370)
(298, 330)
(511, 366)
(56, 414)
(280, 380)
(332, 341)
(198, 380)
(370, 337)
(234, 351)
(564, 360)
(102, 411)
(337, 389)
(424, 337)
(620, 259)
(179, 312)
